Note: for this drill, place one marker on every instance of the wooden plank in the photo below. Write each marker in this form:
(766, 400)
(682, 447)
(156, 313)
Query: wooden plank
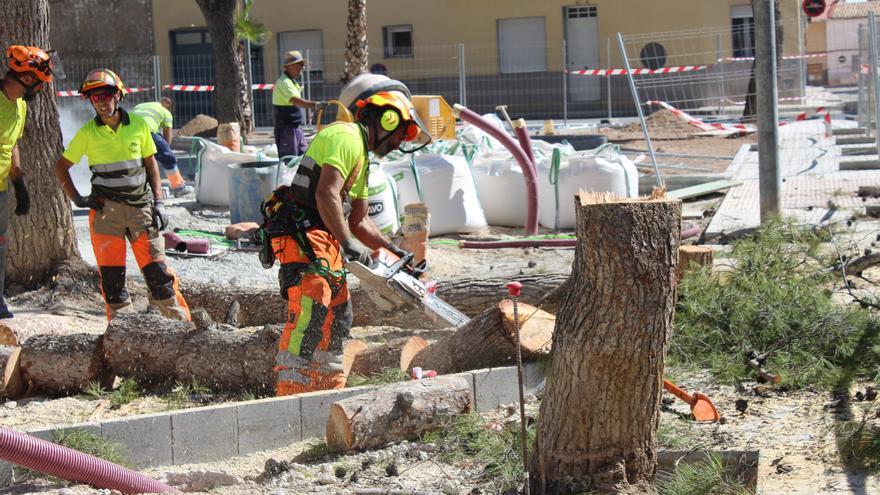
(702, 189)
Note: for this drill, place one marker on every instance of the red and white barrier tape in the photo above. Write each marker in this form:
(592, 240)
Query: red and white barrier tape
(740, 129)
(826, 118)
(620, 72)
(207, 87)
(787, 57)
(865, 69)
(819, 96)
(127, 90)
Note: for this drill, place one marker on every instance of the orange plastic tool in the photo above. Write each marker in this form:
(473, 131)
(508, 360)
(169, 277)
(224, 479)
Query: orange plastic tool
(701, 406)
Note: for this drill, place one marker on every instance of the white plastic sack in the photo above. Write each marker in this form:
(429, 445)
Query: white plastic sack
(406, 180)
(448, 189)
(470, 134)
(604, 169)
(501, 188)
(382, 203)
(212, 178)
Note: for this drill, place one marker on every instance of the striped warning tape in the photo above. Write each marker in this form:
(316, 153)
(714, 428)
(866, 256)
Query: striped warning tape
(820, 111)
(619, 72)
(787, 57)
(740, 129)
(207, 87)
(127, 90)
(819, 96)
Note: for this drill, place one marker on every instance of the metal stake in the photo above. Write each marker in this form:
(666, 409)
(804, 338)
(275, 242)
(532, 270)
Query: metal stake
(875, 77)
(514, 289)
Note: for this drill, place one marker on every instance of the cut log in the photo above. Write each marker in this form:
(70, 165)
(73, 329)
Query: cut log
(12, 385)
(14, 331)
(264, 306)
(64, 363)
(146, 347)
(394, 354)
(488, 340)
(688, 256)
(600, 411)
(396, 412)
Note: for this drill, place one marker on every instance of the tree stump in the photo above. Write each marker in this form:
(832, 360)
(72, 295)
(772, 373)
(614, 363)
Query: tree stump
(488, 340)
(64, 363)
(599, 416)
(12, 385)
(688, 255)
(396, 412)
(397, 353)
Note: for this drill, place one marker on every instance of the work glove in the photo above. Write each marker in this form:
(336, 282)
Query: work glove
(88, 202)
(397, 250)
(354, 250)
(160, 219)
(22, 198)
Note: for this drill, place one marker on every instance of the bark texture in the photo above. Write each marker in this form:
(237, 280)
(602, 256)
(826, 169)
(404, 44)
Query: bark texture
(258, 306)
(488, 340)
(396, 412)
(356, 52)
(397, 353)
(231, 93)
(698, 255)
(45, 235)
(12, 385)
(599, 416)
(14, 331)
(64, 363)
(155, 349)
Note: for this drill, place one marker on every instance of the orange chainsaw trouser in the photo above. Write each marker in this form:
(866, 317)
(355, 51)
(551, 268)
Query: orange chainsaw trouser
(318, 316)
(109, 228)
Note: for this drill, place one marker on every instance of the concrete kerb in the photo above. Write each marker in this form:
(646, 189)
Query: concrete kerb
(214, 433)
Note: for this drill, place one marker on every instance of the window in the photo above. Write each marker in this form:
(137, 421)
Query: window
(743, 24)
(580, 11)
(398, 41)
(311, 43)
(522, 45)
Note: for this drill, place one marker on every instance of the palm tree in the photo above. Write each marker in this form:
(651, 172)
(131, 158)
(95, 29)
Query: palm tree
(356, 53)
(44, 237)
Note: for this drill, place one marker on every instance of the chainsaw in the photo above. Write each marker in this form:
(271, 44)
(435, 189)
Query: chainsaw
(396, 283)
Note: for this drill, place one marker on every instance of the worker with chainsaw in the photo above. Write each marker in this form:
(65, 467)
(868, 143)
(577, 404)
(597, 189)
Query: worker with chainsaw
(157, 115)
(120, 153)
(319, 221)
(30, 69)
(288, 103)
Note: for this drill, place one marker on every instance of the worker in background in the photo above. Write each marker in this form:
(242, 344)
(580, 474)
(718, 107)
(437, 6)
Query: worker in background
(30, 69)
(157, 115)
(121, 157)
(324, 215)
(288, 103)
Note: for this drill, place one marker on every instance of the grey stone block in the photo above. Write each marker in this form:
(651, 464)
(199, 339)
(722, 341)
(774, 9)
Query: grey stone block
(268, 424)
(467, 375)
(146, 439)
(48, 434)
(495, 386)
(316, 409)
(203, 435)
(533, 376)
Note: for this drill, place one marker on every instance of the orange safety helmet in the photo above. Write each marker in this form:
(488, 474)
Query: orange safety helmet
(393, 109)
(32, 59)
(101, 78)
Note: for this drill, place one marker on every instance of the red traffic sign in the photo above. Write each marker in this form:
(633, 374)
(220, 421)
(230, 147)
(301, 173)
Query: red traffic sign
(813, 8)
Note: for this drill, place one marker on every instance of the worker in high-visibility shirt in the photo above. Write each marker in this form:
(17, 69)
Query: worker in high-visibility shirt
(157, 115)
(322, 218)
(30, 69)
(120, 154)
(288, 103)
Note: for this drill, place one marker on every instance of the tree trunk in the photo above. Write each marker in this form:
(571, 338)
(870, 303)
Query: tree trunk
(488, 340)
(397, 353)
(45, 235)
(356, 52)
(12, 385)
(231, 93)
(699, 255)
(471, 296)
(64, 363)
(751, 108)
(154, 349)
(14, 331)
(599, 416)
(396, 412)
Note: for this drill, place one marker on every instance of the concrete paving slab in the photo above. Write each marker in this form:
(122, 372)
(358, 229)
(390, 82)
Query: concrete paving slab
(205, 434)
(146, 439)
(268, 424)
(48, 434)
(495, 386)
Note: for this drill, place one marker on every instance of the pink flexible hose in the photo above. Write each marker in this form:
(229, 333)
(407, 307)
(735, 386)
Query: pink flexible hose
(518, 153)
(525, 142)
(72, 465)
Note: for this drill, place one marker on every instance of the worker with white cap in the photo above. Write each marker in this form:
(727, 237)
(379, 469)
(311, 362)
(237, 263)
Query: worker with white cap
(288, 103)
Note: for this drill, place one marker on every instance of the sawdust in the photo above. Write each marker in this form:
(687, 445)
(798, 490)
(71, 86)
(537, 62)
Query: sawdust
(662, 124)
(201, 126)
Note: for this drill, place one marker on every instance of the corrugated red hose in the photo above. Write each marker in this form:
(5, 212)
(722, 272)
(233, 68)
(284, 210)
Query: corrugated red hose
(72, 465)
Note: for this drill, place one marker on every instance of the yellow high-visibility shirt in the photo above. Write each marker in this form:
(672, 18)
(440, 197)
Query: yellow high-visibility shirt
(12, 117)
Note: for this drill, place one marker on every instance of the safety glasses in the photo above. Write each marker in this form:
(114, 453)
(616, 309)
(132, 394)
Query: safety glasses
(101, 97)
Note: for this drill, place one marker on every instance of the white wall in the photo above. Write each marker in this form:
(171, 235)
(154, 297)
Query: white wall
(843, 44)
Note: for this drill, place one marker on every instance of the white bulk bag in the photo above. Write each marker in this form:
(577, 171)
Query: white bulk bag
(501, 188)
(603, 169)
(212, 178)
(448, 189)
(382, 203)
(406, 180)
